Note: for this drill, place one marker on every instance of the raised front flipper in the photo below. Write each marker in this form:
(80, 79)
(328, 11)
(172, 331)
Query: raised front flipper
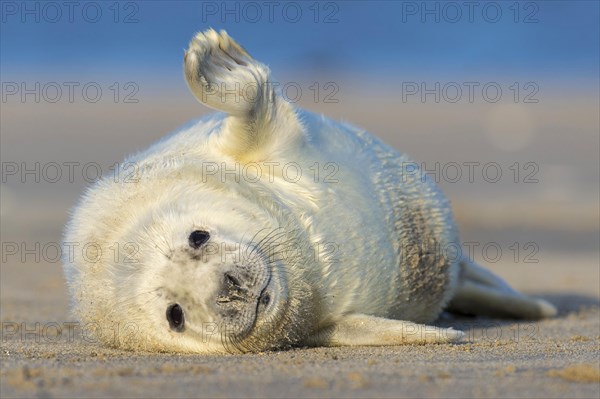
(223, 76)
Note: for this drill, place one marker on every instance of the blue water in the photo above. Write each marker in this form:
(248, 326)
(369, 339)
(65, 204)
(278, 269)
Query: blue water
(371, 38)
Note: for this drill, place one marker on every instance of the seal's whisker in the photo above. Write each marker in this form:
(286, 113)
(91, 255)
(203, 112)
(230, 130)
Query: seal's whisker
(266, 240)
(230, 342)
(149, 237)
(118, 304)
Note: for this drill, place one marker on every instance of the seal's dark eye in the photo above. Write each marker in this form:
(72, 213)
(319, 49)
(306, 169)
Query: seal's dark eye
(197, 238)
(175, 317)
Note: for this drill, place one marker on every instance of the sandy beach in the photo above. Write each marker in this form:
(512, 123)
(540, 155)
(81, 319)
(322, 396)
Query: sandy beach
(44, 352)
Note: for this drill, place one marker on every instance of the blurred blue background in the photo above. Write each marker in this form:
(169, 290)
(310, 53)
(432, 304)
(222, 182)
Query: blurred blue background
(558, 39)
(369, 50)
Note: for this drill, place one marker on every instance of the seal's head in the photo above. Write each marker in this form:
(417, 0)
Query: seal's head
(172, 258)
(177, 266)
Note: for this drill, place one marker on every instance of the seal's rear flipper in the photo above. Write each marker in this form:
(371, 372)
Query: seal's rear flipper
(366, 330)
(482, 293)
(223, 76)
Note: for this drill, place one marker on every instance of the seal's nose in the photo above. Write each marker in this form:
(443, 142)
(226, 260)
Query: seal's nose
(232, 290)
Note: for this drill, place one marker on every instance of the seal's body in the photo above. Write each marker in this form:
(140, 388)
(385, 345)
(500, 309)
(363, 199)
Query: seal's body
(265, 227)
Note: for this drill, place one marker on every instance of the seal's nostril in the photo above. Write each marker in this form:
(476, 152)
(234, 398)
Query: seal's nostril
(231, 280)
(265, 299)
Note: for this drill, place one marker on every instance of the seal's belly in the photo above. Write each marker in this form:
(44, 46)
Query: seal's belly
(385, 237)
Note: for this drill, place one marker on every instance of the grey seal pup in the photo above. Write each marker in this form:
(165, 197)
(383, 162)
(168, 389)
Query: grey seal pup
(265, 227)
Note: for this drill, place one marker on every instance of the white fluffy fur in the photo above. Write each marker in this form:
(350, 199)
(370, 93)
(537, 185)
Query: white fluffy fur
(363, 267)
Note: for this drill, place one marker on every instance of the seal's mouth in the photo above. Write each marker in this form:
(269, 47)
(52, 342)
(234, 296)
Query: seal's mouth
(264, 303)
